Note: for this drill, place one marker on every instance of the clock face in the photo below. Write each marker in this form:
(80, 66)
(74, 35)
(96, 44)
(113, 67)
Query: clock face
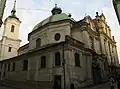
(57, 36)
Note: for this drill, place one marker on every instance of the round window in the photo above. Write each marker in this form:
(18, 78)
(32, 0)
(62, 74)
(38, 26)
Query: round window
(57, 36)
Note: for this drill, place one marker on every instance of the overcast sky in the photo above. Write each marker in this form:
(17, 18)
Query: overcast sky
(31, 12)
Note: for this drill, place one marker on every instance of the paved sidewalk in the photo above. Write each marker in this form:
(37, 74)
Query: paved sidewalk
(102, 86)
(2, 87)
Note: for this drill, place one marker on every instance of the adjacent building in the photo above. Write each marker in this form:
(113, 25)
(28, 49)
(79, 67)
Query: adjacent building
(2, 8)
(116, 4)
(61, 53)
(10, 42)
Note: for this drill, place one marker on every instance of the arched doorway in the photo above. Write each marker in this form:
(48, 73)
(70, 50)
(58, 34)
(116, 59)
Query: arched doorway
(72, 86)
(96, 73)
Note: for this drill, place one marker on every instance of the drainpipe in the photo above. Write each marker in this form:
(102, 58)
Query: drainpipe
(63, 64)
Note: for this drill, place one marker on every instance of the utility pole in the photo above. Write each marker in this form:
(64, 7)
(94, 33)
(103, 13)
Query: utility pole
(2, 8)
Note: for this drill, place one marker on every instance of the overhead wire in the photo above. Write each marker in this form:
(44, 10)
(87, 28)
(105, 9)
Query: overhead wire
(27, 9)
(33, 9)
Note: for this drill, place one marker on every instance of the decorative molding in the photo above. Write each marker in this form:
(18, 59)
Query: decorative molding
(11, 38)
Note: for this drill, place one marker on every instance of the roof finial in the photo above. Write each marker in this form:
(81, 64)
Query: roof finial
(85, 14)
(69, 15)
(102, 11)
(14, 8)
(55, 5)
(56, 10)
(97, 14)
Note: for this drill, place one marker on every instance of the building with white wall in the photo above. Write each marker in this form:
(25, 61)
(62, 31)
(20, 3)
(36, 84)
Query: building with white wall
(10, 42)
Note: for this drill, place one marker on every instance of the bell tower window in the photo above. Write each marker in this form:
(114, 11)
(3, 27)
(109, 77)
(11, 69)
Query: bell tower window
(9, 49)
(12, 28)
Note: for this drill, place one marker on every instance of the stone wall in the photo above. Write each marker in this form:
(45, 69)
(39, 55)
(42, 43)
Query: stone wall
(47, 35)
(80, 76)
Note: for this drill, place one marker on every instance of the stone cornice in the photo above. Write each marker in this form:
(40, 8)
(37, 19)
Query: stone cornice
(108, 38)
(69, 41)
(84, 26)
(24, 47)
(11, 38)
(48, 24)
(10, 18)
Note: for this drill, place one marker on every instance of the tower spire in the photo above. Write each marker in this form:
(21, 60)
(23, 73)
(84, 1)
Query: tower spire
(14, 9)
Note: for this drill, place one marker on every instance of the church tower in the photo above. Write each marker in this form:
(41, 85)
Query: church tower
(10, 42)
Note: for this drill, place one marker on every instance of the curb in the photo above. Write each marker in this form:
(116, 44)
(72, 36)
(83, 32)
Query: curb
(97, 86)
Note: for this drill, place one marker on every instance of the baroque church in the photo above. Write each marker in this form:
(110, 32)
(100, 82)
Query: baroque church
(62, 53)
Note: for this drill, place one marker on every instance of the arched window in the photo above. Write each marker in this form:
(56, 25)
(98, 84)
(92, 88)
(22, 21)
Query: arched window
(38, 42)
(57, 59)
(72, 86)
(12, 28)
(77, 60)
(43, 62)
(57, 82)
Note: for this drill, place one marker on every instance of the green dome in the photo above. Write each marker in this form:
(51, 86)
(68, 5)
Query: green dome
(53, 18)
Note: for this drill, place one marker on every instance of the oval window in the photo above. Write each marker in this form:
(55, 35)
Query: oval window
(57, 36)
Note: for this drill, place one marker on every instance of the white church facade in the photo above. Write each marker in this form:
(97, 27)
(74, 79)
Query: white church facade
(10, 42)
(61, 53)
